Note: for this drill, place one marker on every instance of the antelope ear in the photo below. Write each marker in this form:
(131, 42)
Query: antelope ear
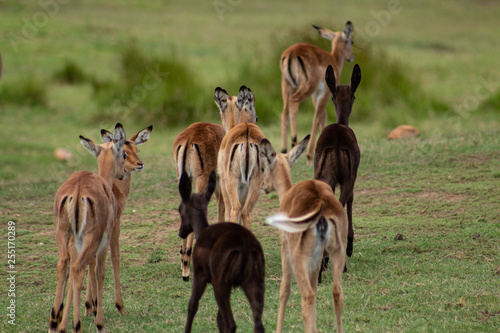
(295, 153)
(325, 33)
(119, 137)
(245, 99)
(348, 29)
(91, 146)
(330, 80)
(220, 99)
(212, 182)
(268, 153)
(185, 187)
(107, 136)
(355, 78)
(142, 136)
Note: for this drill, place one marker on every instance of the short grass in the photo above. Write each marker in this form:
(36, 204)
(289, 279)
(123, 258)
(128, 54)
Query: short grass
(440, 191)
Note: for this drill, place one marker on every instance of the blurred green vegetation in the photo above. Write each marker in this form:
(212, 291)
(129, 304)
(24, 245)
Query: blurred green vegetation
(163, 89)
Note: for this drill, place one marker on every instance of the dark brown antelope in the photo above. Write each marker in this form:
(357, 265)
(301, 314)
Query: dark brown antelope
(302, 75)
(85, 210)
(311, 222)
(337, 154)
(226, 255)
(196, 148)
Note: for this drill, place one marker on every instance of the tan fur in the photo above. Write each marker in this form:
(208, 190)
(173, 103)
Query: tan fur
(305, 77)
(239, 172)
(85, 209)
(302, 252)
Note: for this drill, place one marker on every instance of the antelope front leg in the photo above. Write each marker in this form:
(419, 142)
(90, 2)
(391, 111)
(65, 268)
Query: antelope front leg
(115, 260)
(186, 247)
(100, 272)
(285, 286)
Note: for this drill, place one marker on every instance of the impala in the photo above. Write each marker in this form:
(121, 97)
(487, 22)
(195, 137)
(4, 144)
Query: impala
(312, 221)
(302, 75)
(85, 209)
(196, 148)
(121, 190)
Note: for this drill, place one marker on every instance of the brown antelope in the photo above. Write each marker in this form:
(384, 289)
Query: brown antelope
(302, 75)
(226, 255)
(85, 208)
(239, 172)
(121, 190)
(196, 148)
(337, 155)
(312, 221)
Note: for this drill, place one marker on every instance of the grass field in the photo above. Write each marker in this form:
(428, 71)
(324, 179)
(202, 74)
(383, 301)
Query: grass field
(441, 191)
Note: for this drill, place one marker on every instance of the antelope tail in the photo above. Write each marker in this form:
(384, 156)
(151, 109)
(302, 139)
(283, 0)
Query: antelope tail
(288, 71)
(294, 224)
(76, 211)
(181, 162)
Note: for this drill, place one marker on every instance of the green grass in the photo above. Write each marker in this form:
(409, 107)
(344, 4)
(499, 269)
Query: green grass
(440, 191)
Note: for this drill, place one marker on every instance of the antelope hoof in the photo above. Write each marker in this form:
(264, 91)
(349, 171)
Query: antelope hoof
(283, 151)
(185, 278)
(120, 309)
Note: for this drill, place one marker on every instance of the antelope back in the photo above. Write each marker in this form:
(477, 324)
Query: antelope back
(240, 148)
(195, 149)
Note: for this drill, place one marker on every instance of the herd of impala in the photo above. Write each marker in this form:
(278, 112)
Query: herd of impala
(236, 162)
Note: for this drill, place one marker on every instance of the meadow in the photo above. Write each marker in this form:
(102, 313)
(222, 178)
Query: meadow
(72, 68)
